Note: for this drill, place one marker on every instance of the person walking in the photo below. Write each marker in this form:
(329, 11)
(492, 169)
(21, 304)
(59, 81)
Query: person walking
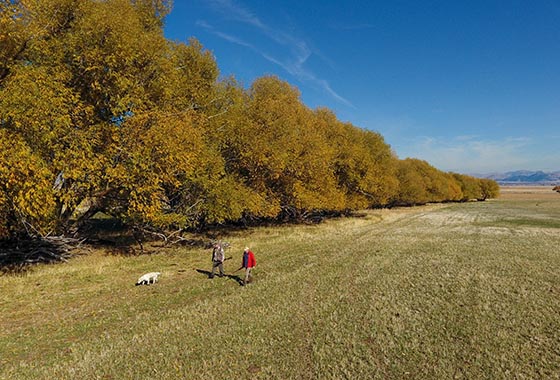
(218, 258)
(248, 264)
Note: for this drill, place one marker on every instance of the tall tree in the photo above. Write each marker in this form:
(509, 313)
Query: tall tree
(103, 113)
(82, 85)
(488, 189)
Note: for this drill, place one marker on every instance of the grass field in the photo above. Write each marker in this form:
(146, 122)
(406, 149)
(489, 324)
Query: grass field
(466, 291)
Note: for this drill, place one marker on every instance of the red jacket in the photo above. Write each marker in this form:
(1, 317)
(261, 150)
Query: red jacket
(248, 260)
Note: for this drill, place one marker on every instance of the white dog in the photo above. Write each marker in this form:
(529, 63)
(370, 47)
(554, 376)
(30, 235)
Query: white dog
(148, 278)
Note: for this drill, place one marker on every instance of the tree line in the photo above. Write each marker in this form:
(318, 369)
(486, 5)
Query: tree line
(103, 113)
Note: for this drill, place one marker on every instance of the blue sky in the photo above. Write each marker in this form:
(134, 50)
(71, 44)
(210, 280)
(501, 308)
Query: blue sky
(469, 86)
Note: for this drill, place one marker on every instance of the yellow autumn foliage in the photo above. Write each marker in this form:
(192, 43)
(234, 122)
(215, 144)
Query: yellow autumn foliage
(103, 113)
(26, 197)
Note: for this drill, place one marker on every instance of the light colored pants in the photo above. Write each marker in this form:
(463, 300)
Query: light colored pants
(247, 275)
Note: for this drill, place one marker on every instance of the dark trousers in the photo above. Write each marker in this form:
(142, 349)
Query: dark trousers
(219, 265)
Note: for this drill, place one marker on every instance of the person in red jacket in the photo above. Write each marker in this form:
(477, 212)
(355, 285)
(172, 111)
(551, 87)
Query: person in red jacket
(248, 263)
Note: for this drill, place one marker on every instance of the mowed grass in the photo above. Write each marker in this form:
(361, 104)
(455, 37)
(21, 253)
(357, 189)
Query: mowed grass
(437, 292)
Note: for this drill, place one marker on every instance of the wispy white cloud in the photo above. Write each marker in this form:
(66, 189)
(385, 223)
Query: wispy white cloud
(473, 154)
(228, 37)
(297, 70)
(236, 12)
(469, 153)
(296, 50)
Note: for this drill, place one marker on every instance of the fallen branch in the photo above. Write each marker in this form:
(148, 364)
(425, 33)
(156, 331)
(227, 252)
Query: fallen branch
(50, 249)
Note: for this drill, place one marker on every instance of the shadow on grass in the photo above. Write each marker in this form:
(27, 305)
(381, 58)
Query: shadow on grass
(208, 274)
(119, 239)
(19, 255)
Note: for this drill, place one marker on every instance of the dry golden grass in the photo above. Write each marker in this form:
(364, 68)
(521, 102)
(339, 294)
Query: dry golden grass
(437, 292)
(528, 193)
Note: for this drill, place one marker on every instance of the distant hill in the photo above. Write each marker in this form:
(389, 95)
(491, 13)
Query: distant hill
(525, 177)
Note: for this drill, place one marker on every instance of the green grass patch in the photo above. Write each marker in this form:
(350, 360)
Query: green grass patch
(525, 222)
(442, 291)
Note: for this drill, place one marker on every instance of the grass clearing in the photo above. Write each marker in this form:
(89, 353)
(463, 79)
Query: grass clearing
(443, 291)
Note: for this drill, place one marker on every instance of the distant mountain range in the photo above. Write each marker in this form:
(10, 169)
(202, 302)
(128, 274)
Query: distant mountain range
(524, 177)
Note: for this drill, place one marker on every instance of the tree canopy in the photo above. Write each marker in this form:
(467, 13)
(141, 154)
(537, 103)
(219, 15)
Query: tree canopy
(103, 113)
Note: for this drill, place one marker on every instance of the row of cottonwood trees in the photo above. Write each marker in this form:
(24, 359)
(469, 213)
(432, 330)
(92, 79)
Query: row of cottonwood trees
(100, 112)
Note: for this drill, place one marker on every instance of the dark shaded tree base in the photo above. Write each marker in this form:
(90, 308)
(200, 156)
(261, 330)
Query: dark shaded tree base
(17, 255)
